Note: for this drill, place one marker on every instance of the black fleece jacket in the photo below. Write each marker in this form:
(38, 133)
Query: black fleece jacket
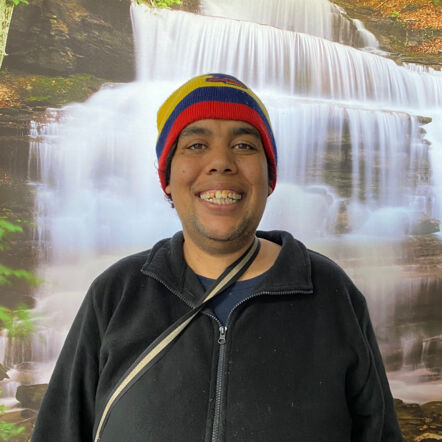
(299, 361)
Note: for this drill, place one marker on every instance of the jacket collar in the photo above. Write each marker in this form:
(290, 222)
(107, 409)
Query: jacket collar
(291, 272)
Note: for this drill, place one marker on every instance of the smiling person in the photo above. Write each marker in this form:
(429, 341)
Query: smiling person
(222, 332)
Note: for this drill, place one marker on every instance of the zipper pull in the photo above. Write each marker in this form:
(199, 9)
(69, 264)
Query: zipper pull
(222, 335)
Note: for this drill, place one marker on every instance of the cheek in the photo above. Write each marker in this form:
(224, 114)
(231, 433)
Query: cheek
(257, 173)
(182, 173)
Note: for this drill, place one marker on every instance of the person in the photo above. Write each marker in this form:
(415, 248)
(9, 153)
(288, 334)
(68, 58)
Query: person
(286, 352)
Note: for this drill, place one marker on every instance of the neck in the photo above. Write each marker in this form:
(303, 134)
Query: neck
(211, 262)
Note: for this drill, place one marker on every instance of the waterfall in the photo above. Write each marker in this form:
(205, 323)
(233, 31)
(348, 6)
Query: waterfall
(91, 177)
(320, 18)
(359, 142)
(268, 58)
(100, 177)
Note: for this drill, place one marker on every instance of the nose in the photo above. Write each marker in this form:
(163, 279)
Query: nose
(221, 160)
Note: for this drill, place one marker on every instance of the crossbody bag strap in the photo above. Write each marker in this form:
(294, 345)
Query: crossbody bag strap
(155, 349)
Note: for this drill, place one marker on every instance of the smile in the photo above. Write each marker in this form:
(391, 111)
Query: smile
(220, 196)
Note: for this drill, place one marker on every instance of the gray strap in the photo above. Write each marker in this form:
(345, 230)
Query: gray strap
(145, 360)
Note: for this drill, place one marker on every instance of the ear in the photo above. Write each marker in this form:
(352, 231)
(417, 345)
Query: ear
(270, 191)
(167, 190)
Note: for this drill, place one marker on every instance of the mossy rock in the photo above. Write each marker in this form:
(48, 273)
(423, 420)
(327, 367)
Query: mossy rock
(57, 91)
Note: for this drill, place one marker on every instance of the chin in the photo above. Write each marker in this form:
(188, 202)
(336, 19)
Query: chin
(238, 236)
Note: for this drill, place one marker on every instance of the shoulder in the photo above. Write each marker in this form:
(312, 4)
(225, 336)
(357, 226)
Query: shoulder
(326, 267)
(329, 276)
(122, 277)
(129, 266)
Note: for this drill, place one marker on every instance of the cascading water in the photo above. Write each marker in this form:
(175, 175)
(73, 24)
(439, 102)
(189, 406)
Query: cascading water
(353, 158)
(275, 59)
(320, 18)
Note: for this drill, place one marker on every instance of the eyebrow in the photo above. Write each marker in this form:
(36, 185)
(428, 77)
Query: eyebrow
(198, 130)
(246, 131)
(195, 130)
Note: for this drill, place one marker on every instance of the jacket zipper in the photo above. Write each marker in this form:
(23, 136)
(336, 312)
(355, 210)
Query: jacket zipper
(222, 349)
(219, 383)
(216, 431)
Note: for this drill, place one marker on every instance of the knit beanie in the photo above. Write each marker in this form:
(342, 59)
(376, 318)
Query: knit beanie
(211, 96)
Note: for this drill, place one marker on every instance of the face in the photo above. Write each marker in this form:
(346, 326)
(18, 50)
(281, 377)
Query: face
(219, 182)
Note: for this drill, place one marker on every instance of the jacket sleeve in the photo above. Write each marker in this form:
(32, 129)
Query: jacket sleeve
(372, 407)
(67, 410)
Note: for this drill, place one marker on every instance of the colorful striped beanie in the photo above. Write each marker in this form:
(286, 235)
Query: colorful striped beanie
(211, 96)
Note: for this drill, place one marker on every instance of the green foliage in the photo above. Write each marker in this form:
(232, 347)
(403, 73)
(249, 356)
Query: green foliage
(8, 430)
(6, 227)
(436, 2)
(18, 322)
(17, 2)
(7, 274)
(159, 3)
(394, 14)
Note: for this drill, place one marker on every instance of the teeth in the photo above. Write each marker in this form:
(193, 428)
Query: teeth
(221, 197)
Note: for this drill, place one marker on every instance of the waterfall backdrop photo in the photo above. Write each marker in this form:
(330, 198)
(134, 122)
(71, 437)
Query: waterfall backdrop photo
(359, 138)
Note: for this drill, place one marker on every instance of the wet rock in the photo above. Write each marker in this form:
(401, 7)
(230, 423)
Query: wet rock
(424, 225)
(420, 422)
(413, 356)
(26, 373)
(424, 120)
(18, 350)
(432, 353)
(393, 356)
(27, 413)
(54, 37)
(189, 5)
(30, 396)
(433, 410)
(342, 224)
(428, 437)
(61, 38)
(394, 36)
(3, 372)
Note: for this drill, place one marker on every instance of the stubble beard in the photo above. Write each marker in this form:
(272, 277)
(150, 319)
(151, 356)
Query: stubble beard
(236, 239)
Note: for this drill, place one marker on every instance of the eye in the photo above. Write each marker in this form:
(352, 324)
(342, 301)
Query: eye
(244, 146)
(196, 146)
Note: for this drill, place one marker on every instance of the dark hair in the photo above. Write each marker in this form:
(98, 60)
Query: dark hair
(169, 162)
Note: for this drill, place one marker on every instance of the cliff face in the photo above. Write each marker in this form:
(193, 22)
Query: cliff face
(410, 30)
(62, 37)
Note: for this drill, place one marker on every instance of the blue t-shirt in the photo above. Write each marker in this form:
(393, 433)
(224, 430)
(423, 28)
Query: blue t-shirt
(224, 302)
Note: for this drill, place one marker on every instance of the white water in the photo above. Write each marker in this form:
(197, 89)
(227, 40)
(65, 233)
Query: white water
(320, 18)
(268, 58)
(101, 186)
(346, 128)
